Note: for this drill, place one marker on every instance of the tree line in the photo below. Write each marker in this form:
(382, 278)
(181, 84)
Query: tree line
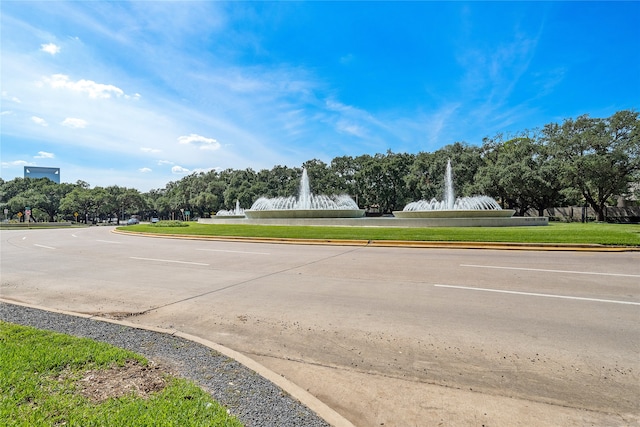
(579, 162)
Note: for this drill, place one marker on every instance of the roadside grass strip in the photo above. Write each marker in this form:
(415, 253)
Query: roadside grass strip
(555, 233)
(52, 379)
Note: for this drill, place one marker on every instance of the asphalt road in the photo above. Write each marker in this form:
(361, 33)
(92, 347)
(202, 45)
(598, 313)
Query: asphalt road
(385, 336)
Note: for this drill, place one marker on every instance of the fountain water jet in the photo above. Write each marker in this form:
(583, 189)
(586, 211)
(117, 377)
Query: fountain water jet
(450, 207)
(306, 205)
(238, 212)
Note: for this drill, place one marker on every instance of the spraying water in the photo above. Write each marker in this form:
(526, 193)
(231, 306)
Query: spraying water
(449, 194)
(238, 211)
(306, 200)
(450, 202)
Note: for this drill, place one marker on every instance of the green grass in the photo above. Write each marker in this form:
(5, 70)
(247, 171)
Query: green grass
(33, 393)
(559, 233)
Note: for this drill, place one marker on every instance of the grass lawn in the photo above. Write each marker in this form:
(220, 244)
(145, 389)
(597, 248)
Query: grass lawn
(52, 379)
(563, 233)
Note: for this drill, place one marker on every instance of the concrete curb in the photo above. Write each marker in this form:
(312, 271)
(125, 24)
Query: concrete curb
(398, 243)
(298, 393)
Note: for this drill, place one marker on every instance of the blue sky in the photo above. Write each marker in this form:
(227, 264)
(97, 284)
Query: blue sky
(142, 93)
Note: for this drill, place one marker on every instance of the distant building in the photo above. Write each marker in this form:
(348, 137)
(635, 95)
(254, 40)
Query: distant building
(37, 172)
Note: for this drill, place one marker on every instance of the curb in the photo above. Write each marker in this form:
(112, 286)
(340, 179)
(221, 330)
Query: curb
(310, 401)
(397, 243)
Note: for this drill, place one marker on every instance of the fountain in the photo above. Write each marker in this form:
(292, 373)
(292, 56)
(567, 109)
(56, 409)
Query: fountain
(306, 205)
(310, 209)
(238, 212)
(450, 207)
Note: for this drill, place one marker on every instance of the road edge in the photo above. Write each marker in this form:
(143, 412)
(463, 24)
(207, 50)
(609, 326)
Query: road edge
(310, 401)
(395, 243)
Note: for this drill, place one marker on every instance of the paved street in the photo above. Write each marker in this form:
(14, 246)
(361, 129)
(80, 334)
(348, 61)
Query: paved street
(385, 336)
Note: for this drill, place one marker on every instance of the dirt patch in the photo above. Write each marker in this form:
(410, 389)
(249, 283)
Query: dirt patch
(99, 385)
(115, 315)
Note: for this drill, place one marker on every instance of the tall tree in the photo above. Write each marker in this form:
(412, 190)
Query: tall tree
(600, 156)
(80, 200)
(380, 180)
(521, 173)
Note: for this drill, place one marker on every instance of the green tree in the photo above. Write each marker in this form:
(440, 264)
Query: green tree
(521, 172)
(243, 186)
(344, 168)
(117, 202)
(380, 180)
(79, 200)
(600, 157)
(42, 195)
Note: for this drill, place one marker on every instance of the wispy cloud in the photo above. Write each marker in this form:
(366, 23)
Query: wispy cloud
(6, 96)
(50, 48)
(164, 162)
(179, 170)
(74, 123)
(93, 89)
(144, 170)
(16, 163)
(39, 121)
(44, 155)
(203, 142)
(150, 150)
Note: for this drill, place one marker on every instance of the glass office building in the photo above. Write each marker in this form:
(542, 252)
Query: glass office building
(38, 172)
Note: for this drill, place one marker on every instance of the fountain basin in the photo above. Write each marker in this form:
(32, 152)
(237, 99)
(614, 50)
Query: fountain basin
(304, 213)
(456, 213)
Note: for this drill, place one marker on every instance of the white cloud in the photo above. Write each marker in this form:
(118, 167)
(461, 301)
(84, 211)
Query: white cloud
(144, 170)
(179, 170)
(6, 113)
(344, 126)
(74, 123)
(50, 48)
(93, 89)
(44, 155)
(5, 95)
(15, 163)
(39, 121)
(204, 142)
(164, 162)
(149, 150)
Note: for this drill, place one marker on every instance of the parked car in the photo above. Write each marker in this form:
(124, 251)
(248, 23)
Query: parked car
(154, 220)
(133, 221)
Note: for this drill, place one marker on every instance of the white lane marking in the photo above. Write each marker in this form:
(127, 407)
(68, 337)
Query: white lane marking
(234, 252)
(73, 235)
(533, 294)
(168, 260)
(43, 246)
(108, 241)
(24, 238)
(549, 271)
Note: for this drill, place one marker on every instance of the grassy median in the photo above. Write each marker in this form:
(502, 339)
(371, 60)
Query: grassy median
(558, 233)
(52, 379)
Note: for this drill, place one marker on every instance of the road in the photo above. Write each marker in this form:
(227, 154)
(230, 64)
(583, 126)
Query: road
(385, 336)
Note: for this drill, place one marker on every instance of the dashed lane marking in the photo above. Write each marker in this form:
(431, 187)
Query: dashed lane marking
(534, 294)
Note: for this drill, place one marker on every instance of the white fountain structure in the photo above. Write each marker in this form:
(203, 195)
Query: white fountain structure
(306, 205)
(452, 207)
(311, 209)
(238, 212)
